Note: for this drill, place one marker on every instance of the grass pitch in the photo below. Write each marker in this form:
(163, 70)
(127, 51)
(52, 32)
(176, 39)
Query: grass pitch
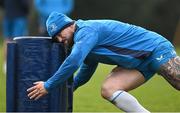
(156, 95)
(2, 82)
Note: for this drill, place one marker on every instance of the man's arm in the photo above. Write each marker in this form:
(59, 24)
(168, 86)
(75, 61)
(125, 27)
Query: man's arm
(84, 74)
(86, 39)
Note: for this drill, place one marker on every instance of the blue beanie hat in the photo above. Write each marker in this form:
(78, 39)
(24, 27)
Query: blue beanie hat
(56, 22)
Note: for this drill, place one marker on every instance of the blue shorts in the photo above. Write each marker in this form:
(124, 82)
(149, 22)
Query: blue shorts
(162, 54)
(15, 27)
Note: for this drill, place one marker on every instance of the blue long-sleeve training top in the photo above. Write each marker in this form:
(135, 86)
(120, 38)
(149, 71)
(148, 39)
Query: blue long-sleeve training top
(105, 41)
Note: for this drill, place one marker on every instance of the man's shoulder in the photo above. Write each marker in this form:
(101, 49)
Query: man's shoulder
(83, 27)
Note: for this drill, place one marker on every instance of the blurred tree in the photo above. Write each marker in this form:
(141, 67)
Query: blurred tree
(177, 34)
(157, 15)
(1, 3)
(164, 17)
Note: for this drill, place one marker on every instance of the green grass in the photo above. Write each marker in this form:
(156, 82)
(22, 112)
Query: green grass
(156, 95)
(2, 83)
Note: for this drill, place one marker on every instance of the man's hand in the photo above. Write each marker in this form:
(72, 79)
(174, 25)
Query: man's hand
(37, 90)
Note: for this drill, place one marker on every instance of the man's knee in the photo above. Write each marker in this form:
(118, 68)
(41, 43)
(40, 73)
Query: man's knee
(106, 91)
(171, 72)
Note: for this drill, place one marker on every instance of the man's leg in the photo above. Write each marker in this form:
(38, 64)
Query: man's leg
(115, 88)
(171, 72)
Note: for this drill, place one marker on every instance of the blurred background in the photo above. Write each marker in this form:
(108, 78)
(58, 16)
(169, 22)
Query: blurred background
(161, 16)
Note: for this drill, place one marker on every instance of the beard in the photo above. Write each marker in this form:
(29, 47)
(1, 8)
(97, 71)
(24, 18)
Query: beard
(68, 45)
(66, 48)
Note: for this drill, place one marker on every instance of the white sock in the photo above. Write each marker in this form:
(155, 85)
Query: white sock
(126, 102)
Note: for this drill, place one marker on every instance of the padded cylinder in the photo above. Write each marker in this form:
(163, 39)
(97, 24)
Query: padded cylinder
(31, 59)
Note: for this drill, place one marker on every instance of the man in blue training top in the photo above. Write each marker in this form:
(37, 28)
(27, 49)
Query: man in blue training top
(45, 7)
(15, 22)
(137, 52)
